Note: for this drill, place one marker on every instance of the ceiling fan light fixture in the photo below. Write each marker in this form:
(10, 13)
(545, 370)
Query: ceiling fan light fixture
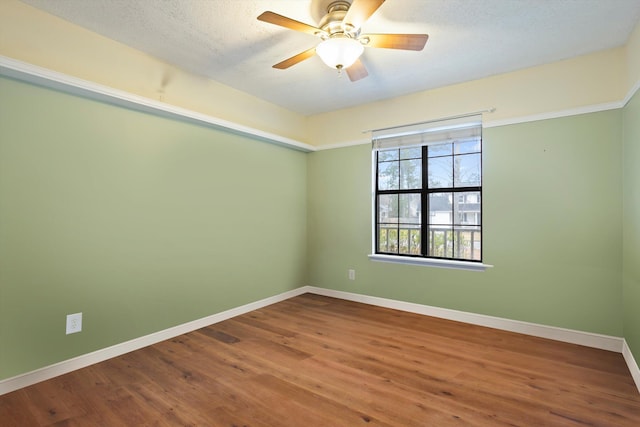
(339, 52)
(342, 44)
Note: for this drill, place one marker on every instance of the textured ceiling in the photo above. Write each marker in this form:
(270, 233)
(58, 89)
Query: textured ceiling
(468, 39)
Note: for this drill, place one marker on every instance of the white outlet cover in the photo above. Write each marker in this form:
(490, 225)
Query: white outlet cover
(74, 323)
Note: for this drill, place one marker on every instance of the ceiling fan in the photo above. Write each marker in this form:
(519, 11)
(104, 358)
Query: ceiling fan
(342, 44)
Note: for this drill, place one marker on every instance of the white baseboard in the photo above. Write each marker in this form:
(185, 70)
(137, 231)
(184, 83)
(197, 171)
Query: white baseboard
(587, 339)
(11, 384)
(604, 342)
(631, 363)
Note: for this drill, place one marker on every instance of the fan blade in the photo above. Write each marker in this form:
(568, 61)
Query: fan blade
(292, 24)
(360, 11)
(357, 71)
(396, 41)
(295, 59)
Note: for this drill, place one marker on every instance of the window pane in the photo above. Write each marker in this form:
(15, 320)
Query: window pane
(388, 176)
(467, 243)
(441, 242)
(440, 209)
(415, 242)
(385, 155)
(466, 208)
(392, 238)
(382, 239)
(467, 170)
(440, 172)
(410, 206)
(410, 174)
(388, 239)
(467, 146)
(404, 241)
(388, 208)
(409, 240)
(411, 153)
(440, 149)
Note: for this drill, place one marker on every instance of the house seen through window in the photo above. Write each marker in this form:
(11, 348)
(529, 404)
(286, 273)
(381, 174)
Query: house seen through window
(428, 190)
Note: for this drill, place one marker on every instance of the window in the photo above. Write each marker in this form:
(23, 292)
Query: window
(428, 190)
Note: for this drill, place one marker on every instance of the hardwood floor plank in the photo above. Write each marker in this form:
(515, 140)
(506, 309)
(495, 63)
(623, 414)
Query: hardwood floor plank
(12, 410)
(318, 361)
(389, 400)
(219, 335)
(226, 417)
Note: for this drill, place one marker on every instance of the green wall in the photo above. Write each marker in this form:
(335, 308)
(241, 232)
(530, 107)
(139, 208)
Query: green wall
(552, 224)
(140, 222)
(631, 225)
(143, 223)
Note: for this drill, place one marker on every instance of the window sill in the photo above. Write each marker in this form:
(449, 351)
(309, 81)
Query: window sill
(428, 262)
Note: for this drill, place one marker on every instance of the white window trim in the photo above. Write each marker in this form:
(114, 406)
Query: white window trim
(431, 262)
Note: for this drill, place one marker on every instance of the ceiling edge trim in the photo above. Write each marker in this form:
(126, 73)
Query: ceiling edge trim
(45, 77)
(343, 144)
(632, 92)
(521, 119)
(517, 120)
(555, 114)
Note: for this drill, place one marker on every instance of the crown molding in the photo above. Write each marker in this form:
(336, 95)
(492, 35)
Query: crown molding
(45, 77)
(40, 76)
(521, 119)
(631, 92)
(555, 114)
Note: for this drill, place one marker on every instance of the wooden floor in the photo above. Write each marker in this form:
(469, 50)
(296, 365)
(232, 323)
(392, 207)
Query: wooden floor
(318, 361)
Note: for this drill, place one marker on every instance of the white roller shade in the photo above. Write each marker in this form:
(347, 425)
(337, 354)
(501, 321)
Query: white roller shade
(434, 132)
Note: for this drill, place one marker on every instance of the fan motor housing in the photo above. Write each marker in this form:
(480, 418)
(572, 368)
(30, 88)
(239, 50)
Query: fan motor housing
(332, 23)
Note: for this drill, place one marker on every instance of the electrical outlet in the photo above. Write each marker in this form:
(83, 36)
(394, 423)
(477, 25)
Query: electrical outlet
(352, 275)
(74, 323)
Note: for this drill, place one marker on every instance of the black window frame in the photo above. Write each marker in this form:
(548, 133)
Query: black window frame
(424, 192)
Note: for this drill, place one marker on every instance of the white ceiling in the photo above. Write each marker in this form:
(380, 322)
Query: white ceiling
(468, 39)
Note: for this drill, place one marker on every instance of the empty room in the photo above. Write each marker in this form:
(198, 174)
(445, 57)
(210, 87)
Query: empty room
(320, 213)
